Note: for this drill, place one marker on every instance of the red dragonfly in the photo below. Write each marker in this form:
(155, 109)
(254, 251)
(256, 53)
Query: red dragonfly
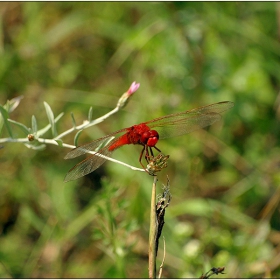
(143, 134)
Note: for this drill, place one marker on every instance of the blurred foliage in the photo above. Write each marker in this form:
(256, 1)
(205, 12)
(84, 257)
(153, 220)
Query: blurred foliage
(224, 180)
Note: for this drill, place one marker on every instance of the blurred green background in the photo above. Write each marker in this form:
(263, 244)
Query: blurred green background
(224, 179)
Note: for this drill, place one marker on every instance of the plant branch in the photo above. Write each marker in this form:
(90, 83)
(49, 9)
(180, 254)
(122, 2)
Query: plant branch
(87, 123)
(53, 142)
(34, 136)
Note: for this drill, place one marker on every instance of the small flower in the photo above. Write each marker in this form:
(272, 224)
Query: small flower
(133, 88)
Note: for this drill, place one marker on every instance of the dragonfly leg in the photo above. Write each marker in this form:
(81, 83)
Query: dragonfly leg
(145, 148)
(150, 155)
(151, 151)
(140, 158)
(157, 149)
(147, 155)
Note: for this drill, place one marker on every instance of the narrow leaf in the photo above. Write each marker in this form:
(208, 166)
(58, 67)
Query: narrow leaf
(76, 138)
(43, 130)
(35, 147)
(24, 128)
(51, 118)
(4, 119)
(34, 124)
(1, 123)
(59, 142)
(47, 127)
(90, 114)
(73, 119)
(12, 104)
(58, 117)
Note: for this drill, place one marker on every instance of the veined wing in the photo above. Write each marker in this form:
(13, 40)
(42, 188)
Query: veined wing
(188, 121)
(87, 166)
(92, 162)
(95, 160)
(93, 145)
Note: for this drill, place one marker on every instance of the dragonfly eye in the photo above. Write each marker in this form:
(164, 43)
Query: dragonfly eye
(152, 141)
(150, 138)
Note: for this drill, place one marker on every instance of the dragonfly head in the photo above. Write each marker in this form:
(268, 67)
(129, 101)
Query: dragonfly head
(150, 138)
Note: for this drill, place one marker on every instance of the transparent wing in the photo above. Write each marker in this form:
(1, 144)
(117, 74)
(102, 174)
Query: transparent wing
(92, 146)
(92, 162)
(188, 121)
(86, 166)
(95, 160)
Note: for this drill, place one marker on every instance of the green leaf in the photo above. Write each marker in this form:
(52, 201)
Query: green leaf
(77, 137)
(43, 130)
(90, 114)
(73, 119)
(59, 142)
(47, 127)
(4, 120)
(12, 104)
(24, 128)
(51, 118)
(34, 124)
(35, 147)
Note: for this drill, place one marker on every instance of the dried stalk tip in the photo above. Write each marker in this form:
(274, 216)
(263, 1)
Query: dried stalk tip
(162, 203)
(212, 271)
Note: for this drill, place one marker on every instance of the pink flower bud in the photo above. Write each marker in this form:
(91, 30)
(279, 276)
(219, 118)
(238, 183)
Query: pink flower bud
(124, 98)
(133, 88)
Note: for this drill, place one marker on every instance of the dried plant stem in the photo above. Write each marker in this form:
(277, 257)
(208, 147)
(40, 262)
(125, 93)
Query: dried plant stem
(163, 259)
(153, 229)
